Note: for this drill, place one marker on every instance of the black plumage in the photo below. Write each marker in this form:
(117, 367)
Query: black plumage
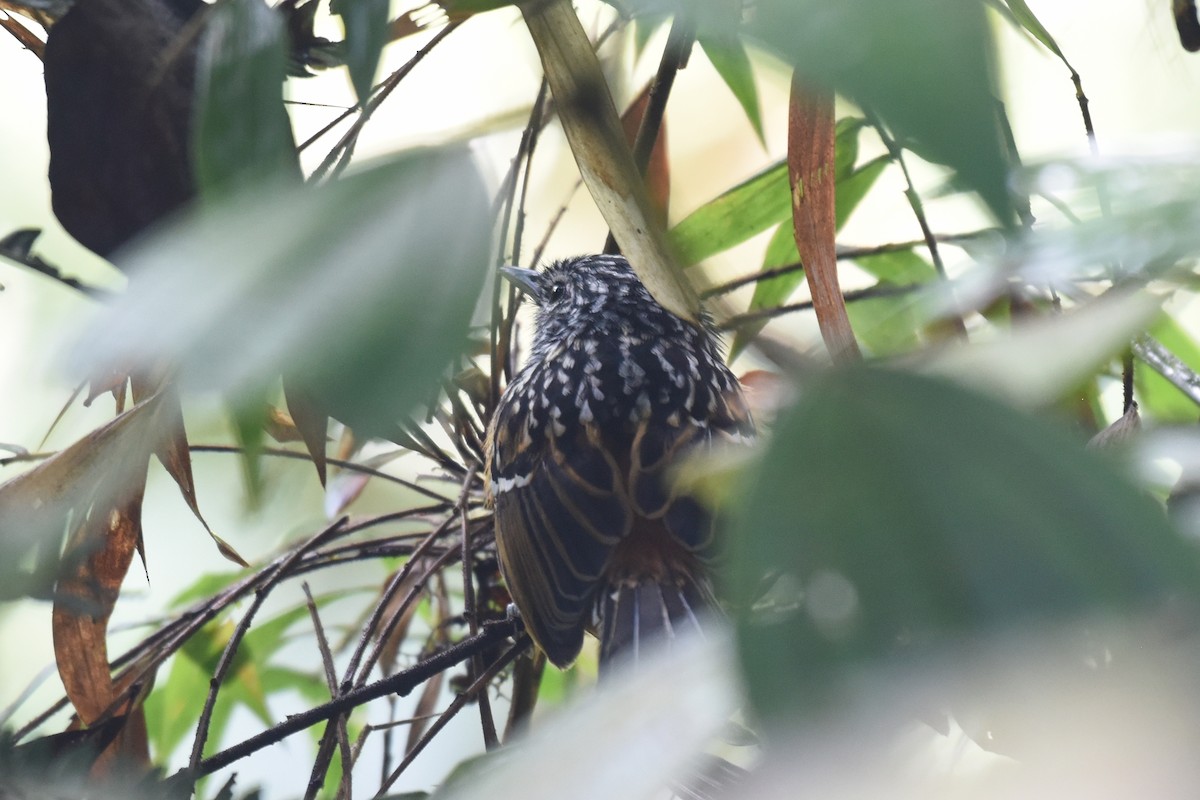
(590, 531)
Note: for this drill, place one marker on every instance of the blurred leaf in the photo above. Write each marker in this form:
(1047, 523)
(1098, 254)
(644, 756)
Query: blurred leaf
(366, 26)
(739, 213)
(1047, 356)
(924, 65)
(644, 726)
(243, 134)
(311, 422)
(100, 472)
(204, 586)
(895, 513)
(120, 100)
(589, 119)
(361, 290)
(249, 418)
(729, 58)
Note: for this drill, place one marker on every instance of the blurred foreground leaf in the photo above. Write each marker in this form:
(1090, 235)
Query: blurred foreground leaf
(361, 290)
(243, 134)
(894, 513)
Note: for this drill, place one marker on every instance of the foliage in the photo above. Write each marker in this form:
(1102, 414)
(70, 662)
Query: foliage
(912, 510)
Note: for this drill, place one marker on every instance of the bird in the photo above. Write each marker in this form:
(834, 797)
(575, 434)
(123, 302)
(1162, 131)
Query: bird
(591, 532)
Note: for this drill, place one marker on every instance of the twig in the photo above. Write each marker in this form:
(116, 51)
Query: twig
(260, 595)
(878, 290)
(402, 683)
(350, 466)
(38, 265)
(674, 58)
(471, 614)
(335, 159)
(914, 201)
(336, 729)
(523, 641)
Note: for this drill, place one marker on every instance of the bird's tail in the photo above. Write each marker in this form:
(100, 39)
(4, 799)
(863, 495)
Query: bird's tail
(639, 614)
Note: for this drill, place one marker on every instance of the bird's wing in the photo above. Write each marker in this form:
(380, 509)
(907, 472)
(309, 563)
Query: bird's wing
(560, 510)
(661, 444)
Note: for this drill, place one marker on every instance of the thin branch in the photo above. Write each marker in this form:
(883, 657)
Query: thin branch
(260, 596)
(674, 58)
(878, 290)
(402, 683)
(471, 614)
(336, 728)
(914, 201)
(38, 265)
(480, 685)
(337, 158)
(350, 466)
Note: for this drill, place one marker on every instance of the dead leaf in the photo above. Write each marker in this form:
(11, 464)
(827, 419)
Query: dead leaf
(98, 557)
(811, 136)
(658, 174)
(311, 421)
(280, 426)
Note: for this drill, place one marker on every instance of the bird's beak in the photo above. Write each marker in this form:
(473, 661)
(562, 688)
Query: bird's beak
(524, 279)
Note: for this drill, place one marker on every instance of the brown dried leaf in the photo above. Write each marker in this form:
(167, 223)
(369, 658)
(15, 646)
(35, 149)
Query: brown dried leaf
(95, 472)
(174, 453)
(811, 174)
(658, 173)
(98, 557)
(311, 421)
(280, 426)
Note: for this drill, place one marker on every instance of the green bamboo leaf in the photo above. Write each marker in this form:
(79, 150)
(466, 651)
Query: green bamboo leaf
(366, 26)
(243, 135)
(896, 514)
(852, 186)
(902, 268)
(731, 61)
(1025, 17)
(747, 209)
(852, 189)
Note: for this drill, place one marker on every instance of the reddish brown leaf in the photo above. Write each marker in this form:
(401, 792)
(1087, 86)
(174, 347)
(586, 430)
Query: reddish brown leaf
(96, 559)
(311, 421)
(811, 132)
(766, 392)
(174, 453)
(658, 174)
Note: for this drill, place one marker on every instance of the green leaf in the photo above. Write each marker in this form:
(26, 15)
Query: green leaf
(771, 292)
(902, 268)
(925, 66)
(366, 26)
(885, 325)
(854, 187)
(731, 61)
(895, 514)
(243, 134)
(1029, 21)
(361, 289)
(747, 209)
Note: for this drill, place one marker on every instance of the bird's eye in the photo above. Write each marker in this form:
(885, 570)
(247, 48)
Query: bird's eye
(557, 290)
